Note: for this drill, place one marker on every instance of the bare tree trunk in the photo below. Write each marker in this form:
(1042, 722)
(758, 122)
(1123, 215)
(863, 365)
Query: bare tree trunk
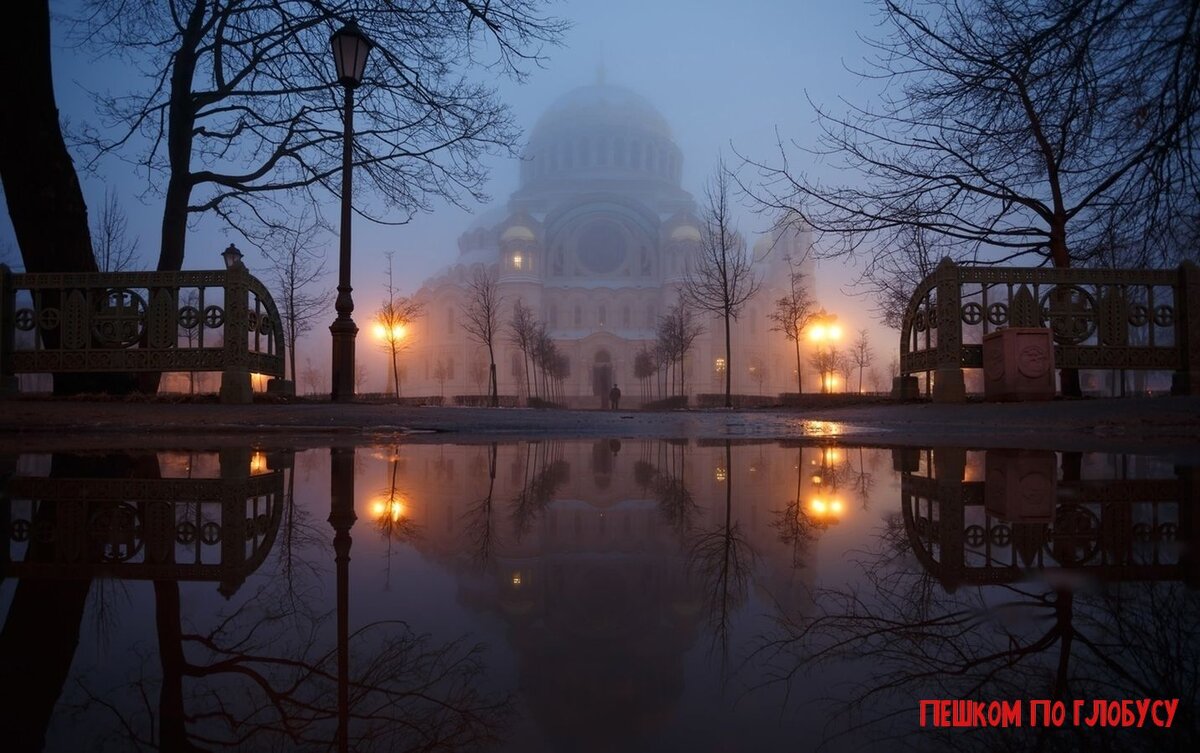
(728, 365)
(799, 384)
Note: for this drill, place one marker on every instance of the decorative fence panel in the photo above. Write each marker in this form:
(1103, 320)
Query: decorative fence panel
(221, 320)
(1099, 319)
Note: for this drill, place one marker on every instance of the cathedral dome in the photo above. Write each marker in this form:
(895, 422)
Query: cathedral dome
(600, 132)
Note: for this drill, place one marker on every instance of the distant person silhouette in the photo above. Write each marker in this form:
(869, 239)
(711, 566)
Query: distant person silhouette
(614, 397)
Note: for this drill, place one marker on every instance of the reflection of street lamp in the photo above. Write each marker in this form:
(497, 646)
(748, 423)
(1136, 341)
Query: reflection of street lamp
(825, 507)
(350, 50)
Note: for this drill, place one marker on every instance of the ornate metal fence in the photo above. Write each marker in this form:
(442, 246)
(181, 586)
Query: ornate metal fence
(222, 320)
(1099, 318)
(1122, 528)
(190, 529)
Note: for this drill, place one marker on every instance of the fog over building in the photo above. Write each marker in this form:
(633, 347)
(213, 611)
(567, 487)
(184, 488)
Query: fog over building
(595, 240)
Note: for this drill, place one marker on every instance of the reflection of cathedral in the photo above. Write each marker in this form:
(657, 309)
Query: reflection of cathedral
(594, 240)
(603, 559)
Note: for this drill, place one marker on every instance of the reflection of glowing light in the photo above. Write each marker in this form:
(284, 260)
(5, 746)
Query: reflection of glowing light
(817, 332)
(389, 509)
(816, 479)
(258, 463)
(830, 381)
(722, 474)
(835, 332)
(825, 508)
(516, 579)
(832, 456)
(753, 468)
(719, 364)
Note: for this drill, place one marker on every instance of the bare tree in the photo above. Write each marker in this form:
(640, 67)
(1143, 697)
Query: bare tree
(793, 312)
(522, 327)
(478, 373)
(827, 362)
(722, 278)
(645, 366)
(440, 374)
(115, 250)
(297, 263)
(677, 334)
(255, 80)
(1015, 130)
(481, 318)
(392, 320)
(861, 354)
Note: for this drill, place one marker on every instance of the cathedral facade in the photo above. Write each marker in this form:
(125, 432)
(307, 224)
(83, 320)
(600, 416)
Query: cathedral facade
(595, 241)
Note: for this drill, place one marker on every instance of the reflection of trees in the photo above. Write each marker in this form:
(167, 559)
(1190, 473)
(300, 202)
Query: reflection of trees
(722, 559)
(912, 639)
(480, 522)
(793, 524)
(262, 678)
(669, 482)
(543, 472)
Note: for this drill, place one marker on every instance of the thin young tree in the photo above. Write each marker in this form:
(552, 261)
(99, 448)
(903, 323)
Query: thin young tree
(481, 320)
(440, 375)
(521, 329)
(644, 367)
(721, 279)
(392, 322)
(297, 262)
(115, 249)
(678, 331)
(861, 354)
(793, 312)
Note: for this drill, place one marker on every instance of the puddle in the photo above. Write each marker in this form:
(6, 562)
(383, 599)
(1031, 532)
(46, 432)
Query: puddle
(588, 595)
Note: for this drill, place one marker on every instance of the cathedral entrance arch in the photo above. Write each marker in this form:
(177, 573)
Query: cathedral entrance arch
(602, 376)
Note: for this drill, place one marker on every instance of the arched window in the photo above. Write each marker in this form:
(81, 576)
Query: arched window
(625, 317)
(650, 315)
(553, 315)
(603, 314)
(578, 316)
(450, 320)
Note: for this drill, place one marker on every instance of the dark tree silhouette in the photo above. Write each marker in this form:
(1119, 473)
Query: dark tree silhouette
(240, 114)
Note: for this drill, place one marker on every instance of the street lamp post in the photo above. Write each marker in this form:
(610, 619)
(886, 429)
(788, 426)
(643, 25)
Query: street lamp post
(350, 50)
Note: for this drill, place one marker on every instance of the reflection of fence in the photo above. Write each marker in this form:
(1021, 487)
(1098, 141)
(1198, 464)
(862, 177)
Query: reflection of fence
(1100, 319)
(143, 529)
(1113, 529)
(141, 322)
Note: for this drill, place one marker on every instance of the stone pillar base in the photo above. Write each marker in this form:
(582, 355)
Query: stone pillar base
(1185, 383)
(235, 387)
(281, 387)
(905, 388)
(949, 386)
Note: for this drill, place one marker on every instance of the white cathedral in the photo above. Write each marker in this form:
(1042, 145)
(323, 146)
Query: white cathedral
(595, 241)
